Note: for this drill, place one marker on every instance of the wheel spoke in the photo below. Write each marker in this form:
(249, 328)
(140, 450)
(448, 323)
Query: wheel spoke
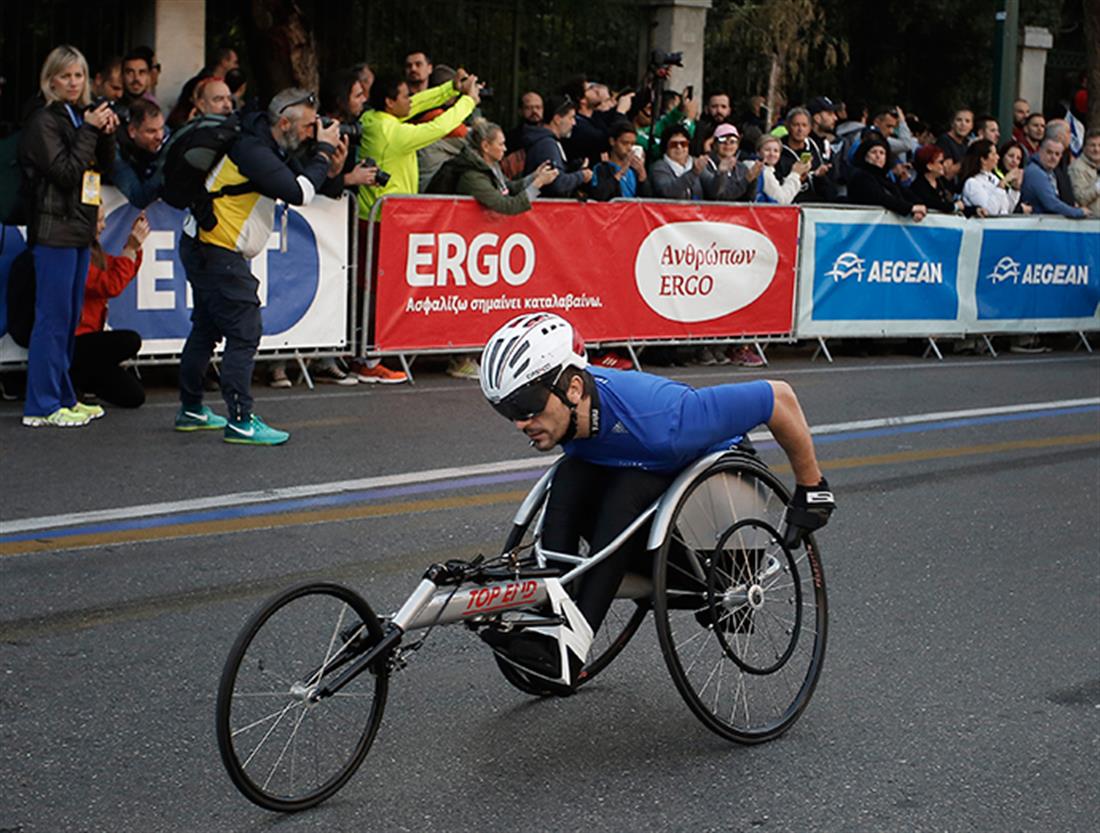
(773, 650)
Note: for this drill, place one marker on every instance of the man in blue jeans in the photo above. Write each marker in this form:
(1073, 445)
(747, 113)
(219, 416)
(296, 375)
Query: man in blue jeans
(625, 436)
(221, 238)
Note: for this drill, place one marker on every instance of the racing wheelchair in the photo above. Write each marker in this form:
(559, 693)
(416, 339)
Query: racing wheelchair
(741, 620)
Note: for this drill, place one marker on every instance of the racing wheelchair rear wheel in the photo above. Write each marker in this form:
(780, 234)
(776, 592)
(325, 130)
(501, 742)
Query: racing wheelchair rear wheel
(741, 619)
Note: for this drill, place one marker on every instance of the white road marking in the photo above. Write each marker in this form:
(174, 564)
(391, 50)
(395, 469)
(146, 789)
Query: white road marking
(499, 467)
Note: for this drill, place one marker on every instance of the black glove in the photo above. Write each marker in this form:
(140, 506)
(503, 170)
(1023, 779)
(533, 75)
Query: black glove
(809, 509)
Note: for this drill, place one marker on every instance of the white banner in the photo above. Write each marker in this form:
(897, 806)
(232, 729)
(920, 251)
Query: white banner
(303, 283)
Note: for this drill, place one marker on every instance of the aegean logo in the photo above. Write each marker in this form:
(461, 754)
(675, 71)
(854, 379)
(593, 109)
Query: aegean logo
(851, 265)
(847, 265)
(700, 271)
(1037, 274)
(1006, 268)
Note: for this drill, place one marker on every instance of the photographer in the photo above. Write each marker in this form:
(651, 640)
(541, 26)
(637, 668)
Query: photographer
(63, 149)
(393, 142)
(274, 159)
(343, 100)
(544, 145)
(476, 172)
(136, 172)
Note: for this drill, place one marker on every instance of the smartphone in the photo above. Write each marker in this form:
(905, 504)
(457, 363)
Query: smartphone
(638, 151)
(806, 157)
(689, 93)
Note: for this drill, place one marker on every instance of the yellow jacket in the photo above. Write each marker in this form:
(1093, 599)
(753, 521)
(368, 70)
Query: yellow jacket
(393, 143)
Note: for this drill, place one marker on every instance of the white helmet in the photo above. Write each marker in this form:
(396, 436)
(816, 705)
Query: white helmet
(526, 350)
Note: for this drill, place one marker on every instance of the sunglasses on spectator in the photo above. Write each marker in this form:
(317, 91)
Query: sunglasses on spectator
(727, 139)
(310, 101)
(678, 144)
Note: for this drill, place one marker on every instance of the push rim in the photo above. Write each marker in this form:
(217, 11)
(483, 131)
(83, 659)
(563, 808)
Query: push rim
(746, 676)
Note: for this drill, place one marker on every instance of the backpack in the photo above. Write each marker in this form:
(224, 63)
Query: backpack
(513, 164)
(20, 298)
(16, 185)
(190, 155)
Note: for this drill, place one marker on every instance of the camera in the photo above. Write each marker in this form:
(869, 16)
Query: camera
(380, 178)
(353, 130)
(116, 106)
(659, 58)
(485, 92)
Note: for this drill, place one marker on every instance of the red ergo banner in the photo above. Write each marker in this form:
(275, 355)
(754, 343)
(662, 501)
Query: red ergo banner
(449, 272)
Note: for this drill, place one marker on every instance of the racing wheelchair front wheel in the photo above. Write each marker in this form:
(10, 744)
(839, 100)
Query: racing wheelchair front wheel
(283, 748)
(741, 619)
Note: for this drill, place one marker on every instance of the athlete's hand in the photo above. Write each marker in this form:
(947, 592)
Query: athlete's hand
(809, 509)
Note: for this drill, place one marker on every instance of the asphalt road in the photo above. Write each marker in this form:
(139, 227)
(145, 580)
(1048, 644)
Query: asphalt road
(961, 689)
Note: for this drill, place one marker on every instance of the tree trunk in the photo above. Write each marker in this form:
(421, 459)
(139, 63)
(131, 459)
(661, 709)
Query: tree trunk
(1092, 60)
(282, 46)
(775, 80)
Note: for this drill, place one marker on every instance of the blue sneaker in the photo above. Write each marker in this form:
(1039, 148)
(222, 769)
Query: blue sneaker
(254, 431)
(202, 419)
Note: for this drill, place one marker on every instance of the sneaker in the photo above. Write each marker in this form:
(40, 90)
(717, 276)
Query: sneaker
(1028, 344)
(253, 431)
(330, 374)
(746, 357)
(380, 375)
(90, 411)
(707, 357)
(614, 361)
(279, 379)
(463, 368)
(202, 419)
(61, 418)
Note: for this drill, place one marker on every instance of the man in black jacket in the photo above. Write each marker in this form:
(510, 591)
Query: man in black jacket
(261, 167)
(544, 145)
(817, 187)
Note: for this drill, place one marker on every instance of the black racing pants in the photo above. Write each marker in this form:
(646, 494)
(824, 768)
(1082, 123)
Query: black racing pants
(95, 368)
(596, 503)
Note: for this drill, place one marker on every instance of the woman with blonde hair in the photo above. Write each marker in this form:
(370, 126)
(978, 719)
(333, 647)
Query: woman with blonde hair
(63, 150)
(769, 188)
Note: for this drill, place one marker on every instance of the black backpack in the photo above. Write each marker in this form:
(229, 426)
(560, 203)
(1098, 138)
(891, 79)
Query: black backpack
(16, 185)
(190, 155)
(20, 298)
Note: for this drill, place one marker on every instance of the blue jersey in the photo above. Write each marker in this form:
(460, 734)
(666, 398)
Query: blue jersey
(656, 424)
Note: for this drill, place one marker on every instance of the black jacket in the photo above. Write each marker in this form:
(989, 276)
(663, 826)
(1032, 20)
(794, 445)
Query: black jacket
(869, 185)
(57, 153)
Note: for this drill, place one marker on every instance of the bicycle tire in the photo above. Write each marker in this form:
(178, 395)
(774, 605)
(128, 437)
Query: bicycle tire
(263, 712)
(718, 611)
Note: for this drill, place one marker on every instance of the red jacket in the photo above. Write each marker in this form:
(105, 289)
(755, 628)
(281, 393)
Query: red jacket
(101, 286)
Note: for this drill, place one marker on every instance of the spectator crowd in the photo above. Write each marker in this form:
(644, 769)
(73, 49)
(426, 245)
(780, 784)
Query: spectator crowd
(377, 131)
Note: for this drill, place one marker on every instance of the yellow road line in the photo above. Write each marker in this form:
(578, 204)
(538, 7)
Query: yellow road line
(352, 513)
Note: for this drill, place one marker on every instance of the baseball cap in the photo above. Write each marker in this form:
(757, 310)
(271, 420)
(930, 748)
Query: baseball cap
(819, 104)
(724, 130)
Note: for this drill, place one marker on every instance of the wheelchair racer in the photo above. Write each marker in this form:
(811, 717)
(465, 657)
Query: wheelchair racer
(625, 436)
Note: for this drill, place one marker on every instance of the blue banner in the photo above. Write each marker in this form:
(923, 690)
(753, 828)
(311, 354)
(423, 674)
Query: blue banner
(885, 272)
(1025, 274)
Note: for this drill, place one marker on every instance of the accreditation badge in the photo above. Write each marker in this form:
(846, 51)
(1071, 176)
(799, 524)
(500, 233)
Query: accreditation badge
(89, 189)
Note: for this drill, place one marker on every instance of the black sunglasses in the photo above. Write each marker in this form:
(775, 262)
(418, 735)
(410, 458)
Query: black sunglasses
(529, 401)
(310, 101)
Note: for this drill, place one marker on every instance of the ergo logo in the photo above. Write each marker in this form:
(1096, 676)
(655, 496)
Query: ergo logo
(700, 270)
(439, 259)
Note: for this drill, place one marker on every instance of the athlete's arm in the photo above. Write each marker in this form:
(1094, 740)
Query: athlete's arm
(788, 426)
